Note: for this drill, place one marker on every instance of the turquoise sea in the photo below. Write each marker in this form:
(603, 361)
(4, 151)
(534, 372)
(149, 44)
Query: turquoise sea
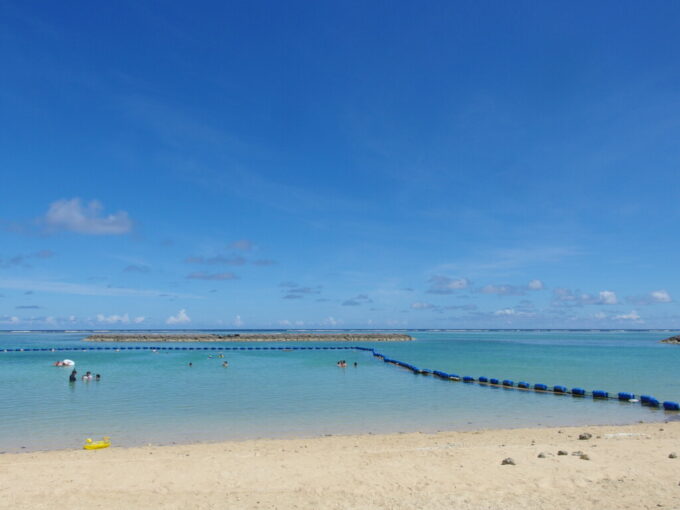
(146, 397)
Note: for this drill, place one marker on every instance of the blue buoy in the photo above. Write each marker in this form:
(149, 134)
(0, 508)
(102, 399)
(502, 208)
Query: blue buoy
(540, 387)
(494, 381)
(599, 394)
(523, 384)
(578, 392)
(559, 389)
(624, 395)
(468, 379)
(671, 406)
(483, 379)
(508, 383)
(652, 402)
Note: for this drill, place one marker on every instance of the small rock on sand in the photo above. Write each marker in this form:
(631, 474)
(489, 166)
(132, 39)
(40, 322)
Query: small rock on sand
(672, 455)
(508, 461)
(544, 455)
(562, 452)
(584, 456)
(585, 436)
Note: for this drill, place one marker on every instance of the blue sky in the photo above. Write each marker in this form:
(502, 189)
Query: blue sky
(339, 164)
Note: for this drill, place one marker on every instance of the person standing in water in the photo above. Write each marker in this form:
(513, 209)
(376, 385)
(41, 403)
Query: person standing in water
(72, 377)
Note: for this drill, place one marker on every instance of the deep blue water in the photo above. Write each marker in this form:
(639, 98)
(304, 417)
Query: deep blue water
(147, 397)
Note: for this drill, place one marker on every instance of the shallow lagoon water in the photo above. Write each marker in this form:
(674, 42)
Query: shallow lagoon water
(147, 397)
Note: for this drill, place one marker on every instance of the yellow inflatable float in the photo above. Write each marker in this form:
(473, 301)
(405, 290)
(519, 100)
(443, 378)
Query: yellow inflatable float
(96, 445)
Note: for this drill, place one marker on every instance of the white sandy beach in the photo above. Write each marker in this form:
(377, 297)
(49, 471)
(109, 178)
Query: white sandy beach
(628, 468)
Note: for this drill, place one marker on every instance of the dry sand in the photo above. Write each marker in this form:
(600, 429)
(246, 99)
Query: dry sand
(629, 468)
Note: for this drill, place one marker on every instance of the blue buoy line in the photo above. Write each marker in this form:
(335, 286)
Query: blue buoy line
(645, 400)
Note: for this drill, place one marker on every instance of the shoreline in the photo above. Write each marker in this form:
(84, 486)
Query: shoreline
(627, 467)
(249, 337)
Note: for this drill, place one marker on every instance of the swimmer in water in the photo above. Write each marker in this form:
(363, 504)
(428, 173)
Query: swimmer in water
(225, 364)
(72, 377)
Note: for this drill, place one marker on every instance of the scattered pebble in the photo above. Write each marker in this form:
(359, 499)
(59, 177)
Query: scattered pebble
(544, 455)
(585, 436)
(584, 456)
(577, 453)
(562, 452)
(672, 455)
(509, 461)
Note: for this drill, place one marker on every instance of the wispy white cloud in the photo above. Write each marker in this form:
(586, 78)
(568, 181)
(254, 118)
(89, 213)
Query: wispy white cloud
(292, 290)
(422, 306)
(607, 297)
(238, 322)
(357, 300)
(23, 259)
(180, 318)
(217, 260)
(7, 319)
(507, 260)
(654, 297)
(71, 215)
(536, 285)
(118, 319)
(567, 297)
(661, 296)
(512, 290)
(212, 276)
(264, 262)
(331, 321)
(58, 287)
(419, 305)
(504, 290)
(242, 245)
(137, 268)
(440, 284)
(630, 316)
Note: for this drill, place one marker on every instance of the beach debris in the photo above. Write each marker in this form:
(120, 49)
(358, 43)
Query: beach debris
(562, 452)
(577, 453)
(672, 455)
(585, 436)
(508, 461)
(584, 456)
(544, 455)
(97, 445)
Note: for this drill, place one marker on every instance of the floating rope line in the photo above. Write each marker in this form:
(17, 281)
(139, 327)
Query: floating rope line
(645, 400)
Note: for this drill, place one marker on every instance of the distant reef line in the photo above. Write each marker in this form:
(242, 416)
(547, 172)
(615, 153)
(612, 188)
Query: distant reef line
(250, 337)
(671, 340)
